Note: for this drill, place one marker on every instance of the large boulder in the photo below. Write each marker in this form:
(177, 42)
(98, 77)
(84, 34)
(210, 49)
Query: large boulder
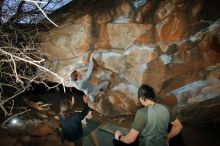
(128, 53)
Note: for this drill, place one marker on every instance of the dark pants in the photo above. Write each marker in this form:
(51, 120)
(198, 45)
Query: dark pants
(120, 143)
(177, 140)
(79, 142)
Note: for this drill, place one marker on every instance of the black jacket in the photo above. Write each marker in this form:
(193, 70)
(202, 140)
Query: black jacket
(72, 127)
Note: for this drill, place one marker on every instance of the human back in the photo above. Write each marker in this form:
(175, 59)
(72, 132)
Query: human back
(154, 133)
(81, 82)
(71, 127)
(70, 121)
(154, 119)
(151, 122)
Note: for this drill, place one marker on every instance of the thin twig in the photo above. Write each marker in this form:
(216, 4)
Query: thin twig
(36, 3)
(30, 62)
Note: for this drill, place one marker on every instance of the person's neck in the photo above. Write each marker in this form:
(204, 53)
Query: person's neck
(150, 103)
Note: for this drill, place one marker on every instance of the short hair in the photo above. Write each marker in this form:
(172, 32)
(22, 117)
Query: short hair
(74, 75)
(146, 92)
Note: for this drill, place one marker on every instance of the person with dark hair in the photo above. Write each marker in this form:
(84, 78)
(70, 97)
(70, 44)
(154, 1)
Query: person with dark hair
(70, 121)
(81, 82)
(151, 122)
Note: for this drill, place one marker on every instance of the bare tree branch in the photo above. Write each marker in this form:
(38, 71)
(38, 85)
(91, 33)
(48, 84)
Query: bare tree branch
(13, 58)
(31, 62)
(21, 64)
(19, 12)
(36, 3)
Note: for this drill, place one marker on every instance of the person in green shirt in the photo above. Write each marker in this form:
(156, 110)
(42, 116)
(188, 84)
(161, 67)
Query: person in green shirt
(151, 122)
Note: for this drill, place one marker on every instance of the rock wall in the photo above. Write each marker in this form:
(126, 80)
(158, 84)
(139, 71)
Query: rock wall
(154, 43)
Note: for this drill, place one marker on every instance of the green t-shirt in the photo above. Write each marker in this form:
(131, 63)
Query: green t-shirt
(152, 123)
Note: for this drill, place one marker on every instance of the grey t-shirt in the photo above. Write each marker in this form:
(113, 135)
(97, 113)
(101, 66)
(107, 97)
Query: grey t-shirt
(152, 123)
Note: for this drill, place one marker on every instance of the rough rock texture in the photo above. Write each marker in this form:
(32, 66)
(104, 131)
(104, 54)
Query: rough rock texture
(183, 62)
(155, 44)
(170, 21)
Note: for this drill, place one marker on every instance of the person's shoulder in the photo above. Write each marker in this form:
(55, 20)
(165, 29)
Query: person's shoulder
(142, 110)
(75, 114)
(164, 105)
(74, 83)
(172, 111)
(76, 117)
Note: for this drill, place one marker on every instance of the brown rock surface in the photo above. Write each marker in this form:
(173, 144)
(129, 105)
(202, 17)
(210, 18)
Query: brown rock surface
(159, 53)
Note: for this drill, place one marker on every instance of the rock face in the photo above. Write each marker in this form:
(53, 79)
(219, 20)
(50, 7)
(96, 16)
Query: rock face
(155, 44)
(170, 21)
